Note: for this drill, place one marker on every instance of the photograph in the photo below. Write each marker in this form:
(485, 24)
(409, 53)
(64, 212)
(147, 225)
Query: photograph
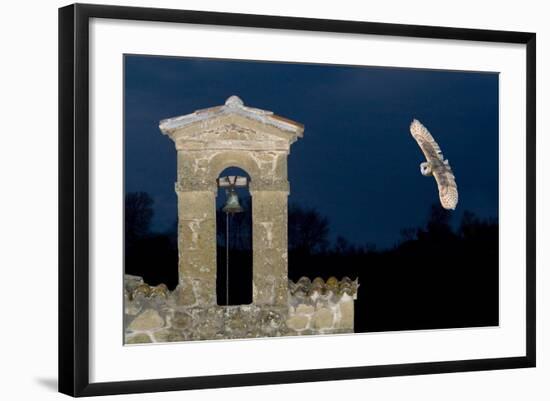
(271, 199)
(252, 199)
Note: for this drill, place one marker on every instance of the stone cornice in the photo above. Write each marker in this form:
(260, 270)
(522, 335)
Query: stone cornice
(190, 127)
(197, 185)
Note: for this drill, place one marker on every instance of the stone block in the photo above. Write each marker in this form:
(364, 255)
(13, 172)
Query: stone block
(182, 320)
(185, 295)
(298, 322)
(140, 338)
(304, 309)
(147, 320)
(131, 282)
(169, 335)
(132, 308)
(323, 319)
(346, 315)
(271, 320)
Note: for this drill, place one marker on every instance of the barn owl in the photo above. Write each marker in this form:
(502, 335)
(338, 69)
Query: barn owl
(436, 165)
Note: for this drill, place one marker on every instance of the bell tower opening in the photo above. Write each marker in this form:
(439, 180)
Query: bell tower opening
(234, 238)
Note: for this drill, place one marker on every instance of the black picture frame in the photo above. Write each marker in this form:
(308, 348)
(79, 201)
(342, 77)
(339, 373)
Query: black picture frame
(74, 198)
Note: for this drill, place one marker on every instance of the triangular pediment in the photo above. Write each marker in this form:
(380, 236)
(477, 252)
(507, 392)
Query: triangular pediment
(229, 135)
(232, 126)
(224, 131)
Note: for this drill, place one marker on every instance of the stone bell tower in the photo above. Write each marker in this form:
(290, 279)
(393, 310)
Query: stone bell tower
(257, 141)
(208, 141)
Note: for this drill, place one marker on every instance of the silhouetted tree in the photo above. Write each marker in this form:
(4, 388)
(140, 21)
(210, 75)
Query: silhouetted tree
(138, 213)
(408, 234)
(307, 230)
(473, 228)
(343, 246)
(439, 220)
(172, 234)
(153, 256)
(438, 228)
(369, 247)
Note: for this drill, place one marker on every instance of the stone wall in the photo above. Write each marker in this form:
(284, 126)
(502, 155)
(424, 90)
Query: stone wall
(153, 314)
(321, 308)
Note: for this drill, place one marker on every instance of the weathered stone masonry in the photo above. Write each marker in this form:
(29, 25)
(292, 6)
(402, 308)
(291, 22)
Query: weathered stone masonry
(152, 314)
(258, 141)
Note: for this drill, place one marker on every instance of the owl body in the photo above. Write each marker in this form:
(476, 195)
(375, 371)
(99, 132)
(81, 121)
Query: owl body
(436, 165)
(426, 169)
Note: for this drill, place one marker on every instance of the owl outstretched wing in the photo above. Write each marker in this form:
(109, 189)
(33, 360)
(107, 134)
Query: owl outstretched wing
(440, 167)
(446, 184)
(426, 141)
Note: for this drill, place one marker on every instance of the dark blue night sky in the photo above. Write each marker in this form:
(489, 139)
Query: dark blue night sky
(357, 163)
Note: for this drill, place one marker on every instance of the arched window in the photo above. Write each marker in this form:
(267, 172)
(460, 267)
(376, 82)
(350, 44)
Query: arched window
(234, 244)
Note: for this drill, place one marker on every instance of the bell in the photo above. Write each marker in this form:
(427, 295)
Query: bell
(232, 204)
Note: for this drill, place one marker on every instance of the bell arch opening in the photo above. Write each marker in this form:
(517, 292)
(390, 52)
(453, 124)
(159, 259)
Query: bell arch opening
(234, 257)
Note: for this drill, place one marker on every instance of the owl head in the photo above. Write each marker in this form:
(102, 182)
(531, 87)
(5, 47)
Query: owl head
(426, 169)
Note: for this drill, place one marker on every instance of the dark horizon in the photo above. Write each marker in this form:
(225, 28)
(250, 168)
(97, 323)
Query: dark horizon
(435, 277)
(356, 164)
